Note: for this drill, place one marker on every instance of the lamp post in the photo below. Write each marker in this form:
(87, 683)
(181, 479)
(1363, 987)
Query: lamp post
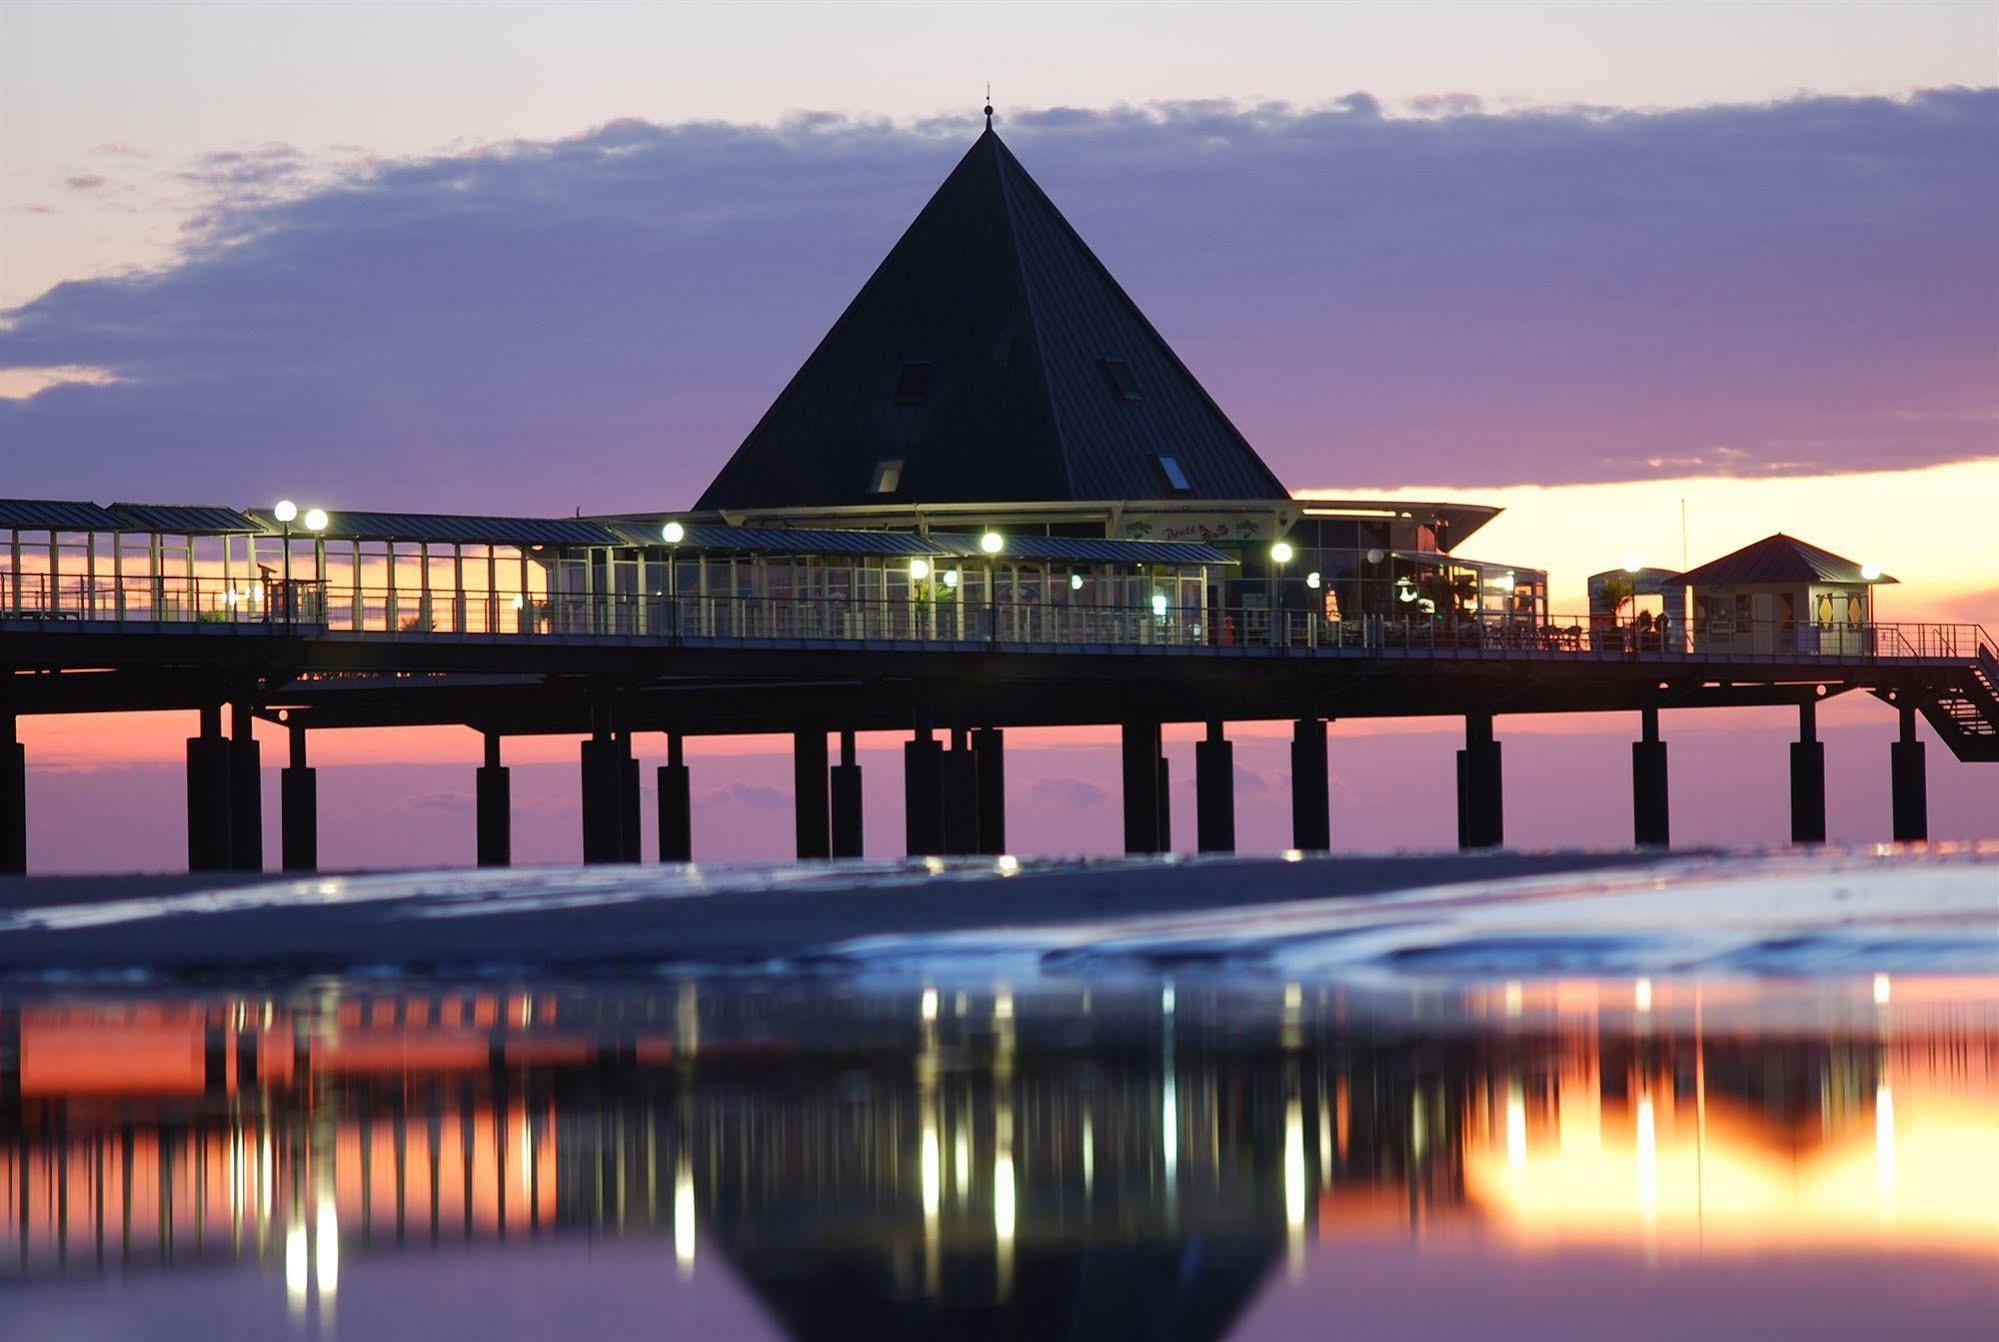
(285, 512)
(992, 543)
(673, 534)
(316, 522)
(1280, 554)
(919, 569)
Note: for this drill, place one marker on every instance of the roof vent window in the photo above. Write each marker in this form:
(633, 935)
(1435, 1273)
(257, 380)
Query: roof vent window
(912, 385)
(1176, 479)
(888, 474)
(1123, 381)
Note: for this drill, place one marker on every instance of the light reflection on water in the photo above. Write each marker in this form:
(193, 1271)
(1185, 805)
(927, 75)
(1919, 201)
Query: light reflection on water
(1173, 1160)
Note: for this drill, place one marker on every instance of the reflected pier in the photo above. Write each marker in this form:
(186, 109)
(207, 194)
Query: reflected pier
(948, 1157)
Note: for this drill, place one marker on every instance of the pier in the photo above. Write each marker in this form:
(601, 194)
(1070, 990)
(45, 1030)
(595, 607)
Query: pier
(992, 498)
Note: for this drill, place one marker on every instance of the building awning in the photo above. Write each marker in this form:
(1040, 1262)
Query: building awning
(166, 519)
(453, 529)
(784, 540)
(56, 515)
(1087, 549)
(1441, 560)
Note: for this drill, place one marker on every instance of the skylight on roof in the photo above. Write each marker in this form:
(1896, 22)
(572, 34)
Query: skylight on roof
(912, 384)
(1176, 479)
(888, 476)
(1123, 381)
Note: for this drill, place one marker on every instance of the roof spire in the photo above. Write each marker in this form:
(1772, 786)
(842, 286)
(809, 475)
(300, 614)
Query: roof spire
(989, 104)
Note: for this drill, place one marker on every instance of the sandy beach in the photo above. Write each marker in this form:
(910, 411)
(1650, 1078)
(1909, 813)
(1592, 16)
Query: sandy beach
(586, 919)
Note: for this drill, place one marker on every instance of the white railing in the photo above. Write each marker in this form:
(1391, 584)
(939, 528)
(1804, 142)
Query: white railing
(74, 601)
(274, 605)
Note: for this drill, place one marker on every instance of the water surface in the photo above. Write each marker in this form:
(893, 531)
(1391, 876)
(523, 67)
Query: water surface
(1165, 1130)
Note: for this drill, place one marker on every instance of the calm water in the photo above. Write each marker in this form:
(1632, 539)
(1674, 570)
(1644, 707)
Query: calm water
(883, 1155)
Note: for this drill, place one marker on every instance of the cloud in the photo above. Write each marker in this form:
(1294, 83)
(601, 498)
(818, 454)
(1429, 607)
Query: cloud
(755, 796)
(429, 802)
(87, 181)
(1072, 793)
(1464, 297)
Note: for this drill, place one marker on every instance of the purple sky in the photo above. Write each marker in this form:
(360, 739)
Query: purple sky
(1468, 298)
(1452, 294)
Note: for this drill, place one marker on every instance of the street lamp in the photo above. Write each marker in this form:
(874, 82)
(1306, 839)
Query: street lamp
(1280, 554)
(286, 512)
(673, 534)
(992, 542)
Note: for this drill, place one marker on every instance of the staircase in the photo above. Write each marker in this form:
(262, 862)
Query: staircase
(1965, 712)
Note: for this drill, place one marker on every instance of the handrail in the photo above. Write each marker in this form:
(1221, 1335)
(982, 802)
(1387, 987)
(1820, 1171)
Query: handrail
(315, 605)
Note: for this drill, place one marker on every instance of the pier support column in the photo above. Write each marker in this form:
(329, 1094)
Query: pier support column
(1311, 798)
(989, 756)
(1214, 792)
(922, 794)
(1808, 778)
(1481, 809)
(13, 799)
(1908, 783)
(629, 842)
(961, 797)
(1651, 821)
(1141, 788)
(845, 799)
(208, 794)
(603, 786)
(494, 814)
(246, 793)
(298, 809)
(808, 790)
(676, 804)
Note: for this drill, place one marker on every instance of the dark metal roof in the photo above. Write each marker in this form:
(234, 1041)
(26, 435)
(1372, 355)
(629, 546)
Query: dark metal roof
(1777, 558)
(1020, 325)
(1090, 548)
(55, 515)
(446, 528)
(788, 540)
(184, 520)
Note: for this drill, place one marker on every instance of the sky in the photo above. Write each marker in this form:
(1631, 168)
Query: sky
(1583, 261)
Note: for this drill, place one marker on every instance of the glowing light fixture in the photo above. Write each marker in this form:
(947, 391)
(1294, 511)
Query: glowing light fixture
(951, 578)
(1312, 580)
(1632, 563)
(316, 519)
(1281, 553)
(1159, 604)
(673, 533)
(1075, 582)
(1870, 571)
(992, 542)
(285, 511)
(919, 569)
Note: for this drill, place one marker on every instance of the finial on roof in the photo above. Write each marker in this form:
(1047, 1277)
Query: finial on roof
(989, 104)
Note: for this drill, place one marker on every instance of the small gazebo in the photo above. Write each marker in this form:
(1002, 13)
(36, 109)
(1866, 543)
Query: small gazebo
(1782, 595)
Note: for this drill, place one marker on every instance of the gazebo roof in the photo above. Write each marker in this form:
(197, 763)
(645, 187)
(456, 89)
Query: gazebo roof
(990, 358)
(1777, 558)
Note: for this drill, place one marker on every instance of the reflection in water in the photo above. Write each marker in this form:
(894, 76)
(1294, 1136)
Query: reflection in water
(1092, 1164)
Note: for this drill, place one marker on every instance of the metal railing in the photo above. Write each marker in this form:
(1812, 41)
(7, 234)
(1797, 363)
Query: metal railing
(393, 613)
(74, 600)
